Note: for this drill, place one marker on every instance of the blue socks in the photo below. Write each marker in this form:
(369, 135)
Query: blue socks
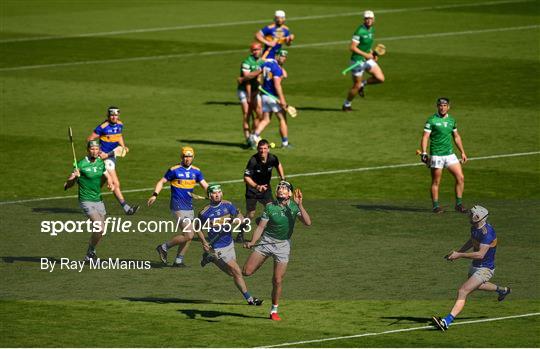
(449, 319)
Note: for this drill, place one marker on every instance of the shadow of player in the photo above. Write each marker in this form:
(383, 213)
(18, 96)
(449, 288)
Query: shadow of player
(206, 315)
(420, 320)
(376, 207)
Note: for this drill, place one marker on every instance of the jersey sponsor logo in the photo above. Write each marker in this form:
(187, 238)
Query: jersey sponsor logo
(111, 138)
(184, 183)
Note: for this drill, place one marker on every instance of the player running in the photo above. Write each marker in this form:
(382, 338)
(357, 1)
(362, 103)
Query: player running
(110, 137)
(248, 90)
(222, 217)
(273, 74)
(361, 44)
(276, 227)
(439, 130)
(183, 177)
(88, 174)
(483, 241)
(273, 36)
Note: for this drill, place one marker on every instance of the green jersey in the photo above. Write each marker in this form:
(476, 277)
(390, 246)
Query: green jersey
(441, 133)
(90, 179)
(364, 39)
(280, 219)
(249, 65)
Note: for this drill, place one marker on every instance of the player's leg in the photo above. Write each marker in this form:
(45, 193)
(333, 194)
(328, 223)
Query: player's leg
(184, 220)
(253, 263)
(283, 128)
(277, 285)
(377, 75)
(477, 277)
(456, 171)
(357, 85)
(245, 119)
(257, 109)
(231, 267)
(95, 211)
(436, 175)
(111, 170)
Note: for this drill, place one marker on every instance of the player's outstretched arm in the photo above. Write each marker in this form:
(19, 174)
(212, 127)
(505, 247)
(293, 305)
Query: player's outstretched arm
(72, 179)
(93, 136)
(298, 198)
(157, 189)
(257, 234)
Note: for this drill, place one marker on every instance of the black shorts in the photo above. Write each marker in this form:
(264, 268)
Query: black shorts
(253, 197)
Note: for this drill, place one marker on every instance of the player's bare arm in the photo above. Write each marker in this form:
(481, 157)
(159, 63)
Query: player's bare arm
(471, 255)
(353, 48)
(459, 145)
(298, 198)
(157, 190)
(257, 234)
(281, 172)
(72, 179)
(279, 92)
(110, 181)
(92, 137)
(260, 37)
(203, 184)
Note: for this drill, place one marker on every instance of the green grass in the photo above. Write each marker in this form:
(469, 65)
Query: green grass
(371, 262)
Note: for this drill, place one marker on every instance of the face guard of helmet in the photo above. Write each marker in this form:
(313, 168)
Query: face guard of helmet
(478, 215)
(113, 111)
(284, 191)
(214, 193)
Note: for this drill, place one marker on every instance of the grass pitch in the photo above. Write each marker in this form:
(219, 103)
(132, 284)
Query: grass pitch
(371, 262)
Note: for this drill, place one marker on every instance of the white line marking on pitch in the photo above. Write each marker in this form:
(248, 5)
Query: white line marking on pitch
(306, 174)
(258, 21)
(398, 331)
(214, 53)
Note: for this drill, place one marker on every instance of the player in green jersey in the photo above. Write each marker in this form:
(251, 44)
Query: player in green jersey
(88, 175)
(248, 90)
(276, 227)
(361, 44)
(439, 131)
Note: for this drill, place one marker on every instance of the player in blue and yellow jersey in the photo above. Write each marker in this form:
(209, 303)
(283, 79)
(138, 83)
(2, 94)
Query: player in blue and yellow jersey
(483, 241)
(364, 58)
(219, 218)
(273, 36)
(273, 74)
(110, 137)
(183, 178)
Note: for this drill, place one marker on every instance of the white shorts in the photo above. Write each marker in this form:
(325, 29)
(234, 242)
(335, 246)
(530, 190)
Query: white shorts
(270, 105)
(443, 161)
(227, 253)
(484, 274)
(110, 163)
(185, 217)
(242, 96)
(277, 249)
(92, 208)
(359, 70)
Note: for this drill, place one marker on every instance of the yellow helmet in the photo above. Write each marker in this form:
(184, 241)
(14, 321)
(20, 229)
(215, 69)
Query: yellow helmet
(188, 151)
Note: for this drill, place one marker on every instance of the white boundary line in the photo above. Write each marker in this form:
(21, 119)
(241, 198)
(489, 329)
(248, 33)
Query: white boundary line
(397, 331)
(306, 174)
(258, 21)
(214, 53)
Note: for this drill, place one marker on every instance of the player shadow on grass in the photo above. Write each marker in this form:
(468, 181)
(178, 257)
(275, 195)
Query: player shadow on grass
(420, 320)
(228, 103)
(161, 300)
(55, 210)
(207, 142)
(375, 207)
(13, 259)
(192, 314)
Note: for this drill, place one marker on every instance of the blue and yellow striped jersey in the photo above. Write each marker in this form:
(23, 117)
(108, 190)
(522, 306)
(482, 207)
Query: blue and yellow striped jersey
(109, 135)
(183, 180)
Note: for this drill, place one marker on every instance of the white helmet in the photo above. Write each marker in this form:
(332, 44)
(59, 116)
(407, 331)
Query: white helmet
(369, 14)
(280, 13)
(478, 213)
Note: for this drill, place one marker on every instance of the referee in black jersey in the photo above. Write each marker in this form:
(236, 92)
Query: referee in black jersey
(257, 177)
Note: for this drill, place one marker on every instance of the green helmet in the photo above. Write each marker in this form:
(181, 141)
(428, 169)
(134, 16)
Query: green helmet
(92, 143)
(282, 52)
(212, 188)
